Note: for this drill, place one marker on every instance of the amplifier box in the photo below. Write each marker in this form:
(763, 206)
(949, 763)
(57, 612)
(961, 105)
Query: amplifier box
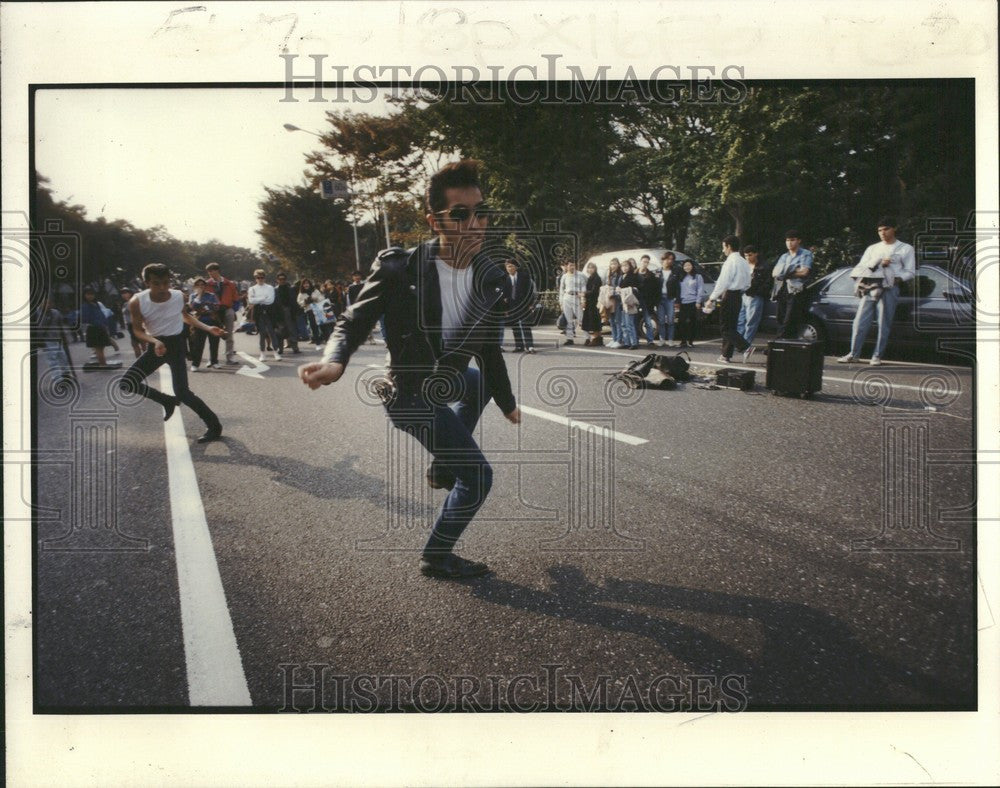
(742, 379)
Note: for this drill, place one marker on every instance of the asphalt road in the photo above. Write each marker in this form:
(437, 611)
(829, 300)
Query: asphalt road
(723, 550)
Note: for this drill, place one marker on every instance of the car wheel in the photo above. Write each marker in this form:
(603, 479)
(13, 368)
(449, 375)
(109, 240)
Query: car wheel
(813, 331)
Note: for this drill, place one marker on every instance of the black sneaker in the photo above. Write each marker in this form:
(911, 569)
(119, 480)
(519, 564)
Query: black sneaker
(451, 567)
(568, 342)
(211, 434)
(169, 408)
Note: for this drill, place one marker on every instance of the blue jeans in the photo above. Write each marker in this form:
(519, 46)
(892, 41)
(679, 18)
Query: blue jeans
(56, 357)
(751, 313)
(616, 323)
(446, 431)
(665, 314)
(868, 309)
(646, 315)
(627, 328)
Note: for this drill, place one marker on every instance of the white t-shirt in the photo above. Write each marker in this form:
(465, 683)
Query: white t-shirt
(260, 294)
(456, 296)
(162, 319)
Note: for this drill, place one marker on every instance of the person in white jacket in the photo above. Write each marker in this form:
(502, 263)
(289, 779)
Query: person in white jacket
(882, 267)
(260, 297)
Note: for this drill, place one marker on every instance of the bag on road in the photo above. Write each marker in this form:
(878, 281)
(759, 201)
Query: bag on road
(678, 367)
(651, 371)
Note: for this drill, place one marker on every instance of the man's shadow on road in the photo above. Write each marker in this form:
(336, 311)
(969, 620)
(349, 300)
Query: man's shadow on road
(808, 659)
(340, 480)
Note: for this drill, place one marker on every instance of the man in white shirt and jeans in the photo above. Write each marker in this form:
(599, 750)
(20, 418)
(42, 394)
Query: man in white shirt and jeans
(882, 267)
(734, 279)
(572, 285)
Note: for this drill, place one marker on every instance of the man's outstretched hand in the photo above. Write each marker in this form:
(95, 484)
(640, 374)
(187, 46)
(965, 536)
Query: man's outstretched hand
(514, 417)
(318, 374)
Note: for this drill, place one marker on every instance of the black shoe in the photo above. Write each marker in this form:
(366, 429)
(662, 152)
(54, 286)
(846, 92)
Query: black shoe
(568, 342)
(169, 408)
(439, 480)
(211, 434)
(451, 567)
(650, 344)
(295, 351)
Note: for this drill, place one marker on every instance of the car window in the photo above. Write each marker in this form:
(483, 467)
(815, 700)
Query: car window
(841, 285)
(928, 283)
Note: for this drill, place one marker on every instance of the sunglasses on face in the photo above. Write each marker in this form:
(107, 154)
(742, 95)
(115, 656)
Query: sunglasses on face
(461, 213)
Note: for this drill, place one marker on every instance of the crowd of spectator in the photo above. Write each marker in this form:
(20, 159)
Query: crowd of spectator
(660, 308)
(282, 314)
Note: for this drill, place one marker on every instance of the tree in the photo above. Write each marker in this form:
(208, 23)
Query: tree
(308, 234)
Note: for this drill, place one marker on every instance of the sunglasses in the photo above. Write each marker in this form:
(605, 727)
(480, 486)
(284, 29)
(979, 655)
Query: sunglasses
(461, 213)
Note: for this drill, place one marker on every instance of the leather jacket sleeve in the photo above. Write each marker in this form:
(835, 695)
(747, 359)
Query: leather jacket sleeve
(356, 322)
(497, 380)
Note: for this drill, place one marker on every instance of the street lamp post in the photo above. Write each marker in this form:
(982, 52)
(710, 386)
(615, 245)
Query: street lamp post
(354, 218)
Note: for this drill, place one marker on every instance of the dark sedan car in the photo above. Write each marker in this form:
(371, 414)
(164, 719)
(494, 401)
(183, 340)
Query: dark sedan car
(934, 305)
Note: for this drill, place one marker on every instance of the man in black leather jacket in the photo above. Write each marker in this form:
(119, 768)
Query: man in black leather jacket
(444, 307)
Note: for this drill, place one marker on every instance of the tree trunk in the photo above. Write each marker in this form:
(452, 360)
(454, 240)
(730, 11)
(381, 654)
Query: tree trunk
(735, 210)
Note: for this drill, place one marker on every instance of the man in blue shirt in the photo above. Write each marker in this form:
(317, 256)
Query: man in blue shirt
(790, 274)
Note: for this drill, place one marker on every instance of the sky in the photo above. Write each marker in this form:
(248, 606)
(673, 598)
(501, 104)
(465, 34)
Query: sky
(194, 161)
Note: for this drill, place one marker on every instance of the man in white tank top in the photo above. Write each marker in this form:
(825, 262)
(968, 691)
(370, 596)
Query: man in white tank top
(158, 318)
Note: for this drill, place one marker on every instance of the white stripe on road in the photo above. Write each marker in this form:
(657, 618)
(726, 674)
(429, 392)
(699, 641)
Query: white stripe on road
(631, 440)
(214, 668)
(255, 369)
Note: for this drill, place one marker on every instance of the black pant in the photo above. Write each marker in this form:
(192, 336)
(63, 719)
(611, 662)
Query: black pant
(290, 335)
(133, 381)
(791, 313)
(313, 328)
(729, 316)
(687, 323)
(197, 342)
(262, 318)
(522, 334)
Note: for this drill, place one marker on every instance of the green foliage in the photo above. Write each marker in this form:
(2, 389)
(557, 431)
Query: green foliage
(309, 235)
(118, 250)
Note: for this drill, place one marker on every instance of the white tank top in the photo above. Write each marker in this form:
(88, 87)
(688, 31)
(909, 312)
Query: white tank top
(163, 319)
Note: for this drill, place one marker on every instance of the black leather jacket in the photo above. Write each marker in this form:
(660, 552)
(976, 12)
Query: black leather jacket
(404, 286)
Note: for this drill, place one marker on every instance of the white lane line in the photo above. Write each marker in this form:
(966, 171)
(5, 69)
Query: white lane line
(214, 668)
(631, 440)
(254, 371)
